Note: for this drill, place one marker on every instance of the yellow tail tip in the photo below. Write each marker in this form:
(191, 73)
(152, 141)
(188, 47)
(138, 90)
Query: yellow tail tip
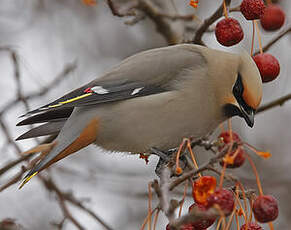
(26, 179)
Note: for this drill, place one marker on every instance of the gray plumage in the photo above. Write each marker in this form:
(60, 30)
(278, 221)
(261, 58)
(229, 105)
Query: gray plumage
(179, 91)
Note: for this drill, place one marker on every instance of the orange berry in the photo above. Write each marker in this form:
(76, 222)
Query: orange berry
(203, 187)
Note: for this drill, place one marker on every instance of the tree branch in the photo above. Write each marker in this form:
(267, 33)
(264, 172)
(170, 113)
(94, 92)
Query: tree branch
(278, 102)
(63, 197)
(162, 25)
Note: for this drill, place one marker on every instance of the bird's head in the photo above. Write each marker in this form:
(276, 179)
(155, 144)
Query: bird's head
(246, 90)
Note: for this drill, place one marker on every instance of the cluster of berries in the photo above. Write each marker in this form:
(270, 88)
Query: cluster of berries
(229, 32)
(207, 195)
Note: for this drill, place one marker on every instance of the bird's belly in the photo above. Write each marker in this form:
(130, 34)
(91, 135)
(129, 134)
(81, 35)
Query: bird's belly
(147, 126)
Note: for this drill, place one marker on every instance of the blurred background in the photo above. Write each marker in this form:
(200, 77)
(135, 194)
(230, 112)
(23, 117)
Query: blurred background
(49, 36)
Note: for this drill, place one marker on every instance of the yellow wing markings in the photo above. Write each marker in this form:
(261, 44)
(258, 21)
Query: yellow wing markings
(70, 100)
(27, 179)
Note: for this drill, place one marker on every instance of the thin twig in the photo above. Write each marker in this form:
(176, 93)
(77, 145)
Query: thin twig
(14, 179)
(163, 26)
(51, 186)
(116, 12)
(68, 69)
(9, 136)
(274, 40)
(11, 164)
(278, 102)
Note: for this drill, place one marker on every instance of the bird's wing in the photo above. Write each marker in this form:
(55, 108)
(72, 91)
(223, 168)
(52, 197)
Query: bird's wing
(98, 93)
(49, 128)
(142, 74)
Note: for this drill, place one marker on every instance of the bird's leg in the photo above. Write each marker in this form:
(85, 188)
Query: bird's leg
(164, 158)
(163, 155)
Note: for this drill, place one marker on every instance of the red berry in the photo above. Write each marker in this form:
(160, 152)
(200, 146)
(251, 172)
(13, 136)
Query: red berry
(238, 160)
(272, 18)
(224, 199)
(251, 226)
(184, 227)
(228, 32)
(225, 136)
(201, 224)
(265, 208)
(268, 66)
(252, 9)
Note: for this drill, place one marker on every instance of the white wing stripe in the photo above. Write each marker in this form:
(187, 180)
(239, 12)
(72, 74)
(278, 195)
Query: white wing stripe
(135, 91)
(99, 90)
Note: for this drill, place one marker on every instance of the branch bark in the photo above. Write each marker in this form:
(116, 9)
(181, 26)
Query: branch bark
(278, 102)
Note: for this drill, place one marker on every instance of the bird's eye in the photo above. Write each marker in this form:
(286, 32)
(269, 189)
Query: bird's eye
(238, 86)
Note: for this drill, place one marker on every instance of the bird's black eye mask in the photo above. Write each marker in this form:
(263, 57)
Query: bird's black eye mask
(245, 110)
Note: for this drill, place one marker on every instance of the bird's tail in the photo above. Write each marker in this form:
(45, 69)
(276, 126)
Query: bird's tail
(57, 150)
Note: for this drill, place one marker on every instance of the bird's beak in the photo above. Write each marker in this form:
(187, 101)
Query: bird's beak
(248, 114)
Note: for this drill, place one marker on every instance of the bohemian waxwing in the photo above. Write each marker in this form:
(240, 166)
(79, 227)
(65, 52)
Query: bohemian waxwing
(152, 99)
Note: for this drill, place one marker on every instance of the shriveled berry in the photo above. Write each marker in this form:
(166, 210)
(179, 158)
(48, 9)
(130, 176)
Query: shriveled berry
(265, 208)
(251, 226)
(228, 32)
(201, 224)
(268, 66)
(183, 227)
(224, 199)
(238, 160)
(252, 9)
(202, 188)
(272, 18)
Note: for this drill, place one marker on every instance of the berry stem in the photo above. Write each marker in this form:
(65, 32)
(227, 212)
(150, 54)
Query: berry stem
(222, 216)
(178, 168)
(259, 37)
(221, 126)
(183, 199)
(240, 205)
(259, 153)
(225, 9)
(230, 220)
(251, 213)
(230, 129)
(147, 218)
(271, 226)
(150, 206)
(156, 219)
(222, 175)
(256, 174)
(253, 38)
(244, 197)
(236, 220)
(219, 223)
(229, 151)
(230, 159)
(192, 156)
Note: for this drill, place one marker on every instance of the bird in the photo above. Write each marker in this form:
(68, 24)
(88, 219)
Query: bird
(152, 99)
